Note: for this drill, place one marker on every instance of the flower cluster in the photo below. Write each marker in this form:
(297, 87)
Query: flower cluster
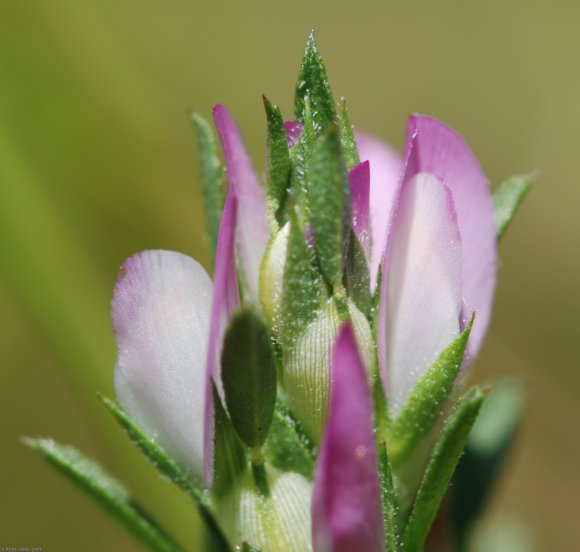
(306, 397)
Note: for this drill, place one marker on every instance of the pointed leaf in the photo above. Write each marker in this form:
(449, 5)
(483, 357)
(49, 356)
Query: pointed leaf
(213, 182)
(346, 498)
(249, 376)
(303, 290)
(347, 139)
(287, 446)
(427, 400)
(107, 492)
(313, 84)
(279, 164)
(489, 444)
(507, 199)
(356, 276)
(230, 459)
(329, 200)
(444, 459)
(167, 467)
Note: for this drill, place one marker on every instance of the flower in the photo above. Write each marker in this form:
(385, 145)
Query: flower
(365, 268)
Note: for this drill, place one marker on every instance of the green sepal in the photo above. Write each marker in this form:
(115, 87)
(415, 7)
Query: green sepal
(303, 286)
(357, 279)
(313, 84)
(107, 492)
(279, 164)
(347, 139)
(442, 464)
(427, 400)
(389, 499)
(507, 199)
(330, 211)
(212, 176)
(249, 376)
(301, 156)
(287, 446)
(230, 459)
(169, 469)
(487, 448)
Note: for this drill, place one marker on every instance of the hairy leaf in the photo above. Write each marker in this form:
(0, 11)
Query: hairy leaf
(507, 199)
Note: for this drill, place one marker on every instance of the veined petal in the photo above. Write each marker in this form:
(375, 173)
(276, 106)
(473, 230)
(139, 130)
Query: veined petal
(359, 179)
(439, 150)
(225, 300)
(252, 231)
(385, 169)
(346, 502)
(421, 294)
(161, 310)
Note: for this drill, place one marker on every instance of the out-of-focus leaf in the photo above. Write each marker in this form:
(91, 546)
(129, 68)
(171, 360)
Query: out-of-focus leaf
(279, 164)
(213, 184)
(389, 499)
(107, 492)
(287, 447)
(427, 400)
(347, 139)
(507, 199)
(168, 468)
(313, 84)
(247, 547)
(329, 200)
(485, 454)
(442, 464)
(249, 376)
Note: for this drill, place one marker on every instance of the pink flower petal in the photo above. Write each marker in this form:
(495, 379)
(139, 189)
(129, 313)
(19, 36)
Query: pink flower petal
(252, 232)
(346, 502)
(293, 130)
(160, 313)
(359, 178)
(385, 170)
(442, 152)
(421, 294)
(226, 299)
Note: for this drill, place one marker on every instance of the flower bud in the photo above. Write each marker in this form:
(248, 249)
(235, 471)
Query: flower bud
(279, 522)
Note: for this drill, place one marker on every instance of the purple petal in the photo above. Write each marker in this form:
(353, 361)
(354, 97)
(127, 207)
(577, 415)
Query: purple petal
(359, 179)
(442, 152)
(385, 169)
(346, 502)
(160, 313)
(293, 130)
(252, 229)
(225, 300)
(421, 293)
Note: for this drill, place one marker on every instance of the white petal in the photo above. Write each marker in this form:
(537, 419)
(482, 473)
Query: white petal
(424, 283)
(161, 311)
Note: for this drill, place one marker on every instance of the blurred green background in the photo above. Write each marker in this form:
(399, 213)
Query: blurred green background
(97, 161)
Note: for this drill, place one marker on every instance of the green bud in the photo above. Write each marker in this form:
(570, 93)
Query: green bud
(307, 364)
(277, 523)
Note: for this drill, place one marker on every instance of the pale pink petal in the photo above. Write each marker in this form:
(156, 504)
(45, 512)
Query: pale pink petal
(421, 296)
(161, 310)
(225, 300)
(293, 130)
(385, 169)
(346, 502)
(359, 178)
(442, 152)
(252, 230)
